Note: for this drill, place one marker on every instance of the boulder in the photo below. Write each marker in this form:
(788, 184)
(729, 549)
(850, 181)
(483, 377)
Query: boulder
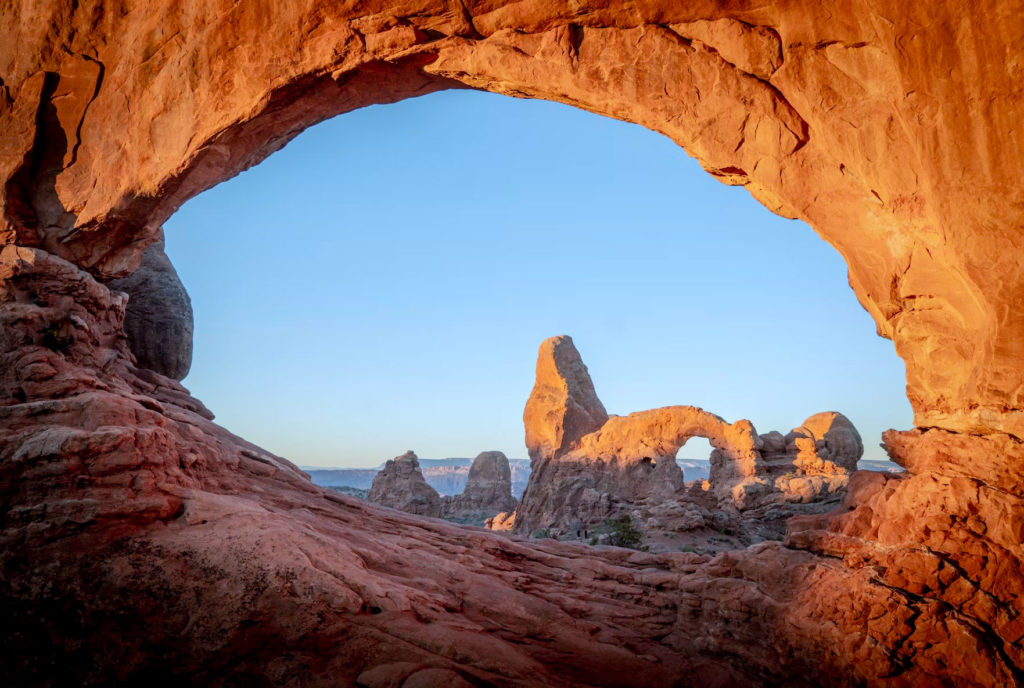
(158, 319)
(825, 443)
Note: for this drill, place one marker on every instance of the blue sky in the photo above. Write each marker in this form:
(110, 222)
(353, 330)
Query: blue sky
(383, 282)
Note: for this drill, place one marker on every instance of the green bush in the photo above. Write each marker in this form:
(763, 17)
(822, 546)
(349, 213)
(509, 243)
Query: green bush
(623, 533)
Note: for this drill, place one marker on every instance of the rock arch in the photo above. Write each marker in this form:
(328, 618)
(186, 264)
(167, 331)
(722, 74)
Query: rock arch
(661, 432)
(625, 465)
(888, 127)
(740, 89)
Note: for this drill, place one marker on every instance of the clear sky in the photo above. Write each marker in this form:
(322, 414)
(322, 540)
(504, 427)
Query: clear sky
(383, 283)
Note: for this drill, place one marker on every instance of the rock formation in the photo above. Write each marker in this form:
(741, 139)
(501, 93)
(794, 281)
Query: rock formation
(140, 540)
(488, 491)
(400, 485)
(503, 522)
(158, 320)
(563, 405)
(627, 465)
(813, 460)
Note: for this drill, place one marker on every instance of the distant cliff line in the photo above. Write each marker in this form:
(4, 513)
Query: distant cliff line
(448, 476)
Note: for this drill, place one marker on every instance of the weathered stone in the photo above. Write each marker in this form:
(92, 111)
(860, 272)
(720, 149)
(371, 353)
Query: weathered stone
(488, 491)
(158, 320)
(563, 405)
(825, 443)
(504, 521)
(130, 522)
(627, 467)
(400, 485)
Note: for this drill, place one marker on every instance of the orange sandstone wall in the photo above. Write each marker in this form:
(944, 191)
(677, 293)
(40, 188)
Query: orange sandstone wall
(139, 541)
(890, 128)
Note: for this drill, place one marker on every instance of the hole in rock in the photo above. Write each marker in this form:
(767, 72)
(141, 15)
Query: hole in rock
(693, 457)
(382, 284)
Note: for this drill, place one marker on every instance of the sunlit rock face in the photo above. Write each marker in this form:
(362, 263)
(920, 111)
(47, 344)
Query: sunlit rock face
(140, 540)
(563, 405)
(400, 485)
(626, 466)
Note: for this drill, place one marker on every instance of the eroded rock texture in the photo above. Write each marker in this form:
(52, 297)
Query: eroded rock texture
(488, 491)
(563, 405)
(626, 467)
(400, 485)
(158, 320)
(141, 543)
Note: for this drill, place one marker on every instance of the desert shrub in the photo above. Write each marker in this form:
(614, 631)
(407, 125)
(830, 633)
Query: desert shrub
(622, 532)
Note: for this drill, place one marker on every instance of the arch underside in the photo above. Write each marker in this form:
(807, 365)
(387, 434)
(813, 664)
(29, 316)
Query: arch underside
(125, 509)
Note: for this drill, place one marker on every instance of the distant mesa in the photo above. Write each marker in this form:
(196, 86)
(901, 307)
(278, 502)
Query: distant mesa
(589, 469)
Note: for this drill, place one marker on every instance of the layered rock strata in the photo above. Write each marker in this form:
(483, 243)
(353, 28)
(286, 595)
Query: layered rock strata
(139, 542)
(488, 491)
(400, 485)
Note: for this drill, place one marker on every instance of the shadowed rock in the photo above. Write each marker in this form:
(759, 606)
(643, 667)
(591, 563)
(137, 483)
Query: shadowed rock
(488, 490)
(400, 485)
(158, 319)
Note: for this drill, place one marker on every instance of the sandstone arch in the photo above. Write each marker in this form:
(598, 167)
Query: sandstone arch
(739, 89)
(626, 465)
(888, 127)
(661, 432)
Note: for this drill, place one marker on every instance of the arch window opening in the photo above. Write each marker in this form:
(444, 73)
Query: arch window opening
(694, 457)
(382, 283)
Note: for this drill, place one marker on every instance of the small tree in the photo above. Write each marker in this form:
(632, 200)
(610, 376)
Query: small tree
(623, 533)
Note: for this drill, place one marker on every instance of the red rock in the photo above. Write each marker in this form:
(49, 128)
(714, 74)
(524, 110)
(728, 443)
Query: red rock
(563, 405)
(488, 491)
(627, 467)
(825, 443)
(401, 485)
(158, 319)
(141, 542)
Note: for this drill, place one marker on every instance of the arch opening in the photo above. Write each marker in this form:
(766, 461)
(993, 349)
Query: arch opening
(694, 457)
(415, 281)
(112, 119)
